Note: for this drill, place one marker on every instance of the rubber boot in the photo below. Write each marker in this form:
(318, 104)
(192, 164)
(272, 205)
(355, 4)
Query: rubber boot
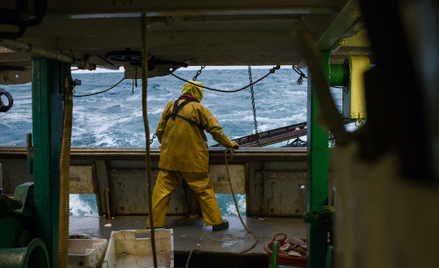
(221, 226)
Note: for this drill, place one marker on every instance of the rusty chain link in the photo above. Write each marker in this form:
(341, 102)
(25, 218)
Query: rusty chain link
(253, 103)
(153, 137)
(198, 73)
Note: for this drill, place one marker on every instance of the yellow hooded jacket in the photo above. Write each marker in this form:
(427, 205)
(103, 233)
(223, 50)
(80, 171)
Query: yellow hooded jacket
(184, 146)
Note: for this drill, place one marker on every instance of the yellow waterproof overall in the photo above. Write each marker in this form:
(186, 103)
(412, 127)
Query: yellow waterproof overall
(184, 155)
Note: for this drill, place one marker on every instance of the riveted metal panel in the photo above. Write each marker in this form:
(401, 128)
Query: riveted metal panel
(81, 180)
(130, 195)
(284, 193)
(220, 182)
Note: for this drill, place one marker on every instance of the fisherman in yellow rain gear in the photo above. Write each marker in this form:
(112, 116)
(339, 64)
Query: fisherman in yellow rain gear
(184, 155)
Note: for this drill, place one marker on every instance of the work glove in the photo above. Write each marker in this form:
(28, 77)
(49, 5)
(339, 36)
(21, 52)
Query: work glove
(235, 145)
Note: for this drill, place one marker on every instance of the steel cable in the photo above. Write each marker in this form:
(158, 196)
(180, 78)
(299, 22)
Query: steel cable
(272, 71)
(108, 89)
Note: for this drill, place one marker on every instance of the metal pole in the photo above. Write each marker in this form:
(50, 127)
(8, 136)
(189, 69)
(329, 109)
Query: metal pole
(47, 118)
(317, 186)
(21, 46)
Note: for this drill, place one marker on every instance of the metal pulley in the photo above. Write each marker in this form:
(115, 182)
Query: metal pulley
(3, 107)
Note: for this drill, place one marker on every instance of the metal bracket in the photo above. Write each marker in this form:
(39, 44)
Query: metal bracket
(323, 217)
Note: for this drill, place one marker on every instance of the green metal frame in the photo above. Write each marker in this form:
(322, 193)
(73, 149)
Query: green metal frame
(47, 113)
(317, 186)
(318, 160)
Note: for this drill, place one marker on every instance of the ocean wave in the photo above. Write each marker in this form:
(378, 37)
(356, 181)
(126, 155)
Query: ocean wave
(83, 205)
(115, 118)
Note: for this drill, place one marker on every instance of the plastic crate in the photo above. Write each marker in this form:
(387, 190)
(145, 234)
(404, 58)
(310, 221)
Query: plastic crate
(86, 252)
(132, 248)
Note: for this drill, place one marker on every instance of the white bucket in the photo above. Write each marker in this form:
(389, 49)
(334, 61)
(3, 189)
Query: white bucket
(86, 252)
(132, 248)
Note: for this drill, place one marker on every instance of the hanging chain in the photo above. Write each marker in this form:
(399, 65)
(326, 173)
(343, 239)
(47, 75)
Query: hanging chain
(132, 88)
(253, 102)
(198, 73)
(153, 137)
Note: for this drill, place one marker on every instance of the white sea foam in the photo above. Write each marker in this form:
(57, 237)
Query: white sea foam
(82, 207)
(231, 208)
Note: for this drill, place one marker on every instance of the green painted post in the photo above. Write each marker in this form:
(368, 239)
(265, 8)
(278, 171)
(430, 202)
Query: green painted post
(338, 74)
(317, 186)
(47, 115)
(30, 154)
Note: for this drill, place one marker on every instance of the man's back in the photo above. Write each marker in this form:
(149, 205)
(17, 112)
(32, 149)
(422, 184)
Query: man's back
(183, 145)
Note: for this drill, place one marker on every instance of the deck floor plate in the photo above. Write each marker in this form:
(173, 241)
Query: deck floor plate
(192, 234)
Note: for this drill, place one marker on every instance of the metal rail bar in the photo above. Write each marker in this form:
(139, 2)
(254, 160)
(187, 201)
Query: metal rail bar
(275, 135)
(20, 46)
(83, 153)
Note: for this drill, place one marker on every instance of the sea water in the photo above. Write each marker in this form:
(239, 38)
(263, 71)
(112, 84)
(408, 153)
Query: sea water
(114, 118)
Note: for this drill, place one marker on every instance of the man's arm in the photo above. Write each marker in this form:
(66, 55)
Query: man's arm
(162, 124)
(212, 126)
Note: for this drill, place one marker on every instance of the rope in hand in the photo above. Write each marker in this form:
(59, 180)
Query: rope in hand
(272, 70)
(231, 151)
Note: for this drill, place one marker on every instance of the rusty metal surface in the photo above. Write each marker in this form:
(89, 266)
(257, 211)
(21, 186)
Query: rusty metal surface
(130, 196)
(81, 180)
(284, 193)
(271, 136)
(14, 174)
(274, 136)
(215, 154)
(220, 181)
(127, 182)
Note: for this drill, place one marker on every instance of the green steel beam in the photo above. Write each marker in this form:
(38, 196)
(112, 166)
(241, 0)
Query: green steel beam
(47, 113)
(317, 186)
(338, 75)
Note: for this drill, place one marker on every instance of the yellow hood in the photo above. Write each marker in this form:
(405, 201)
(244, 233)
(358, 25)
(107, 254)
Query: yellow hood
(193, 90)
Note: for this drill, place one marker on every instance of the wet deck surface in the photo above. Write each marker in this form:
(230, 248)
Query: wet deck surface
(192, 234)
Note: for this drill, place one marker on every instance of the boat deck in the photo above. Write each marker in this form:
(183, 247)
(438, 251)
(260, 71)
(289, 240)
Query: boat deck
(190, 233)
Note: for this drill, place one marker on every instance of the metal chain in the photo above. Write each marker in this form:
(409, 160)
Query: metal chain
(198, 73)
(272, 71)
(153, 137)
(253, 102)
